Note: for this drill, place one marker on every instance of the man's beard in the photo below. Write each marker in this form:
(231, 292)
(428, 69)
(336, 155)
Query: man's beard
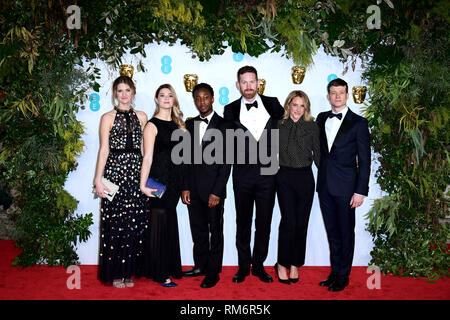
(249, 94)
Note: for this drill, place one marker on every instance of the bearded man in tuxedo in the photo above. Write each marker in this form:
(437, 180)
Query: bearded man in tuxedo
(255, 115)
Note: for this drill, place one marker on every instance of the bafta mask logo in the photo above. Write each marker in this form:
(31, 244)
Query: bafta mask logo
(359, 93)
(262, 86)
(126, 70)
(190, 81)
(298, 74)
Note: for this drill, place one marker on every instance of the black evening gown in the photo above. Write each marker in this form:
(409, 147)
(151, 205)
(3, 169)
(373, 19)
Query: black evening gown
(162, 256)
(123, 220)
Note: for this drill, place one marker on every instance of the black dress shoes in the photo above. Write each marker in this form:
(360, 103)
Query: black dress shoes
(262, 275)
(240, 276)
(210, 281)
(338, 284)
(285, 281)
(328, 281)
(194, 272)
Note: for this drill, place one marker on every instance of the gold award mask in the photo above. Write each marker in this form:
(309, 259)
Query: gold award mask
(190, 81)
(359, 93)
(298, 74)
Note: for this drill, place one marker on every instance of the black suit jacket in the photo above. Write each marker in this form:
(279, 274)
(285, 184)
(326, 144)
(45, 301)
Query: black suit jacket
(232, 114)
(345, 169)
(205, 179)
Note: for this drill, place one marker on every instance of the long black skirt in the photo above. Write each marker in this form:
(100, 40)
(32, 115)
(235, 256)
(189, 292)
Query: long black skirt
(162, 257)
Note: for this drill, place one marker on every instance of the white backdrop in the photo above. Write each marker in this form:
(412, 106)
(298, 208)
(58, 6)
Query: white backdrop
(219, 72)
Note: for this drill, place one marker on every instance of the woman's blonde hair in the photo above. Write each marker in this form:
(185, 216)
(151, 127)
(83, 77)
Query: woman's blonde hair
(177, 115)
(298, 93)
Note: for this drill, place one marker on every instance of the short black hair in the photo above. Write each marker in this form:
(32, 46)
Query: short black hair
(204, 86)
(246, 69)
(338, 82)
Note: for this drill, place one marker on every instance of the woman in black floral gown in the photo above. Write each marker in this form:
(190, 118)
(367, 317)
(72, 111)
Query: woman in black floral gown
(162, 256)
(123, 220)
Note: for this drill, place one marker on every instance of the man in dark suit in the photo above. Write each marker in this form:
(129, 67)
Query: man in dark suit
(343, 179)
(255, 115)
(204, 188)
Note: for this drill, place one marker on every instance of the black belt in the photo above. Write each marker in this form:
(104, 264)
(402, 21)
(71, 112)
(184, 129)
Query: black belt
(125, 150)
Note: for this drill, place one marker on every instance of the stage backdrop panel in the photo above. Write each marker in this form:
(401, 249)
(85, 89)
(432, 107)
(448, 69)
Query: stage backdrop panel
(168, 64)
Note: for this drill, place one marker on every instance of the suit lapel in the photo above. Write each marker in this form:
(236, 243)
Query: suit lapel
(346, 124)
(211, 125)
(267, 105)
(237, 110)
(323, 133)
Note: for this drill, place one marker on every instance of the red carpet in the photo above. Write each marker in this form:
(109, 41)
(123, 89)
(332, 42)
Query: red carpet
(50, 283)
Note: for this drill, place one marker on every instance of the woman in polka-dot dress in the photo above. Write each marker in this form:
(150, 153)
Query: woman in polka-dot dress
(123, 220)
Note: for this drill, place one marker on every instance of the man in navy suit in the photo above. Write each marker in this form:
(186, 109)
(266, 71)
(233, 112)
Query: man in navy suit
(343, 179)
(255, 116)
(204, 189)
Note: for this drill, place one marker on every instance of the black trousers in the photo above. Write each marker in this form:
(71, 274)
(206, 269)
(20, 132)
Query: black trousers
(207, 234)
(253, 190)
(295, 192)
(339, 220)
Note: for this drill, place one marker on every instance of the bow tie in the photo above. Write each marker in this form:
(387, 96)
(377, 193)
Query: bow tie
(337, 115)
(250, 105)
(204, 120)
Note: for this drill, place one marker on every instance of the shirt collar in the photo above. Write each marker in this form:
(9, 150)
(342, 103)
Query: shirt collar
(208, 116)
(257, 98)
(344, 112)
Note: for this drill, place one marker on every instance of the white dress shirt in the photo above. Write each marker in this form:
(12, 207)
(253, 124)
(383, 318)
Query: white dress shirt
(332, 126)
(203, 125)
(255, 119)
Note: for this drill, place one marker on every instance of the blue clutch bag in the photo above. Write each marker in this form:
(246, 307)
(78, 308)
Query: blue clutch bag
(152, 184)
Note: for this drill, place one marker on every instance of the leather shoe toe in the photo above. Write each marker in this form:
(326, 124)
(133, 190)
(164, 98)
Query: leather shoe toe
(239, 277)
(210, 281)
(263, 276)
(328, 281)
(194, 272)
(338, 285)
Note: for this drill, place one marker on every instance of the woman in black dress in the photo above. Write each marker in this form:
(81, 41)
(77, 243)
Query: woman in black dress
(298, 149)
(162, 256)
(123, 220)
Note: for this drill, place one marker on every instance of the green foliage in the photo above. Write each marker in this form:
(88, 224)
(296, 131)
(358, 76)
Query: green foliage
(294, 28)
(41, 138)
(408, 114)
(37, 160)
